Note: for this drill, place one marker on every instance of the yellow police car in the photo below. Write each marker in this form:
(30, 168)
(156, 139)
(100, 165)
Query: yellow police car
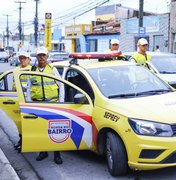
(115, 108)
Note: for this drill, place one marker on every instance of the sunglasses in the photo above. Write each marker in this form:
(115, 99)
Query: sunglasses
(115, 44)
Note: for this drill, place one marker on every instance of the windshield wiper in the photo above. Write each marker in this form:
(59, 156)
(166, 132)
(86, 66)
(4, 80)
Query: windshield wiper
(166, 72)
(122, 95)
(159, 91)
(140, 93)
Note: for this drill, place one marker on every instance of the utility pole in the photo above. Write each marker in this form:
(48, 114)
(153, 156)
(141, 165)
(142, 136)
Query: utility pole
(141, 5)
(36, 24)
(7, 29)
(19, 27)
(3, 39)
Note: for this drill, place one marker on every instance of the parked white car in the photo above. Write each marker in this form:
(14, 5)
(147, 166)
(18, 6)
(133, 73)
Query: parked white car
(162, 64)
(14, 60)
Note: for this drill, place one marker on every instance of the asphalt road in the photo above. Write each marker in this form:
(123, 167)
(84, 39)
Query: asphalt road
(80, 165)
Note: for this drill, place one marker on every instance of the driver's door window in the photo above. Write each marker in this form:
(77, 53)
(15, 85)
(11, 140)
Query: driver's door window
(79, 80)
(6, 83)
(40, 88)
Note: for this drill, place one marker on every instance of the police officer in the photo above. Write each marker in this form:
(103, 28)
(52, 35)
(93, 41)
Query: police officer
(24, 59)
(141, 56)
(39, 94)
(115, 48)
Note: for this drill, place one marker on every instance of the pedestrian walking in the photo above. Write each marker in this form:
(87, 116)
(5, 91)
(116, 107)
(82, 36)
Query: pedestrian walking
(157, 48)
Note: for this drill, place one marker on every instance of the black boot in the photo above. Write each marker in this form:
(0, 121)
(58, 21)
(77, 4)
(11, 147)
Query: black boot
(57, 157)
(41, 156)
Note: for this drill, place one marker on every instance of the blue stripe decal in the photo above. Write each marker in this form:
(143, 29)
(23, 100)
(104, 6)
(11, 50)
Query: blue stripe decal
(78, 130)
(78, 133)
(8, 95)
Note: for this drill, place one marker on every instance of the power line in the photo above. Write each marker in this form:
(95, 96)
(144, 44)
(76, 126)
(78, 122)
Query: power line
(82, 11)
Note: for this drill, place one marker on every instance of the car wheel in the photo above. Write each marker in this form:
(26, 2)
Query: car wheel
(116, 155)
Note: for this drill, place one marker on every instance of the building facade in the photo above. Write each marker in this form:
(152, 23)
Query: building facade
(172, 34)
(156, 32)
(156, 29)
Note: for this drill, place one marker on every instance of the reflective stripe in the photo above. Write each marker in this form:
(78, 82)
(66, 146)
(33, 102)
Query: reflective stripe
(46, 99)
(44, 83)
(23, 80)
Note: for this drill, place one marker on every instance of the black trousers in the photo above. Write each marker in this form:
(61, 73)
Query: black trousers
(57, 154)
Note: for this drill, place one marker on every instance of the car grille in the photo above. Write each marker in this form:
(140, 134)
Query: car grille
(170, 159)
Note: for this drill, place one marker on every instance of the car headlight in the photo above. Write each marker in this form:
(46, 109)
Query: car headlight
(150, 128)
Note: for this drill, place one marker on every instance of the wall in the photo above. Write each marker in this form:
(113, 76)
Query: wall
(103, 41)
(127, 40)
(172, 38)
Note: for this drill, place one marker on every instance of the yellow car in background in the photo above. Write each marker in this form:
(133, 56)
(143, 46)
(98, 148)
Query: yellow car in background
(114, 108)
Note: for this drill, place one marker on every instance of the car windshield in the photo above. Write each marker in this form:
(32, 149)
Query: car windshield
(165, 64)
(127, 81)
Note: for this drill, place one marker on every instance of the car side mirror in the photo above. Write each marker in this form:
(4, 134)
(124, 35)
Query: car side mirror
(80, 98)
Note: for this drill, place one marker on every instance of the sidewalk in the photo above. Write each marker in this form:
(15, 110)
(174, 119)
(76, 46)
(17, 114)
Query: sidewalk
(6, 170)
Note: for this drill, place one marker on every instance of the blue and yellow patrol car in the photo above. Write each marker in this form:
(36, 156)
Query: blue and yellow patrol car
(114, 108)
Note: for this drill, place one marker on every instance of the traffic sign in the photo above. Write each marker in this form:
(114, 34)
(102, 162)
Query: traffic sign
(48, 15)
(142, 32)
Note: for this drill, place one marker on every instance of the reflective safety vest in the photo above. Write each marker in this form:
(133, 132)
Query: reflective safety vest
(140, 58)
(23, 78)
(44, 89)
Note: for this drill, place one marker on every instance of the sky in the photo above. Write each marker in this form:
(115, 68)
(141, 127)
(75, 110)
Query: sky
(60, 10)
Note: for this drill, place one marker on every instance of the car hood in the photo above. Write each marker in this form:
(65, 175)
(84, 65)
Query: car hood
(161, 108)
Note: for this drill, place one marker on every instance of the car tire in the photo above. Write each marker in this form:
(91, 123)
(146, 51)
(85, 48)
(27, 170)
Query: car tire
(116, 155)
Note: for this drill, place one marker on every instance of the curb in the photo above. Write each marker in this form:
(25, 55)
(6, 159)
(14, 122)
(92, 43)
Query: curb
(6, 170)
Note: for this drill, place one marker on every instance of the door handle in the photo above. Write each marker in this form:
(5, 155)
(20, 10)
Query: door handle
(9, 102)
(30, 117)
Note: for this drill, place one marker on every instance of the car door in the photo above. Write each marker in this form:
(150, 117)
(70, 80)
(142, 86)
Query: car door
(8, 98)
(50, 126)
